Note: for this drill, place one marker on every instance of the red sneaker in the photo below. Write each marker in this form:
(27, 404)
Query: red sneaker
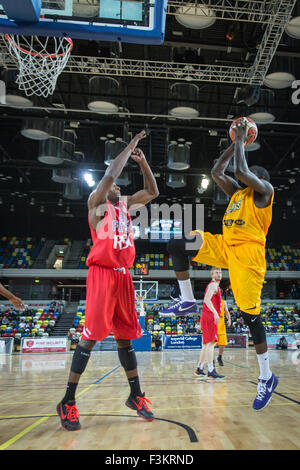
(139, 404)
(69, 415)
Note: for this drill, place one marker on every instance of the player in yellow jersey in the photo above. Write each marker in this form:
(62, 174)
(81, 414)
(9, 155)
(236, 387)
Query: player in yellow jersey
(222, 336)
(240, 249)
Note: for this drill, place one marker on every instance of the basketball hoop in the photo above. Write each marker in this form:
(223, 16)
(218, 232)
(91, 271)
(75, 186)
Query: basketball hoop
(40, 61)
(140, 299)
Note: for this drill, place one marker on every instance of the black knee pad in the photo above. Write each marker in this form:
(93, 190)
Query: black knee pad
(127, 358)
(256, 327)
(174, 245)
(80, 359)
(180, 257)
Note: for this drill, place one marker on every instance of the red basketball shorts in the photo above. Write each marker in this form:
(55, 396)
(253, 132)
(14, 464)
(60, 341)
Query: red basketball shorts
(110, 305)
(209, 328)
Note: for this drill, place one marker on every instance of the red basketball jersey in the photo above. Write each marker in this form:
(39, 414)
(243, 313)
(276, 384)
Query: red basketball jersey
(113, 244)
(216, 301)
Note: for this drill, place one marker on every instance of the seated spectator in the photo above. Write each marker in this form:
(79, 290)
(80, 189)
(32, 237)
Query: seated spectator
(294, 292)
(282, 343)
(22, 324)
(157, 342)
(5, 320)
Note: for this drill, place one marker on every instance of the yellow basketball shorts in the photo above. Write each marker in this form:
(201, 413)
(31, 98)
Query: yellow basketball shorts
(222, 339)
(246, 264)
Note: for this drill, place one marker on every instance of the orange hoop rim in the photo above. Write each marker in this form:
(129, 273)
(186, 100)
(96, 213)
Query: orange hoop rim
(36, 54)
(140, 298)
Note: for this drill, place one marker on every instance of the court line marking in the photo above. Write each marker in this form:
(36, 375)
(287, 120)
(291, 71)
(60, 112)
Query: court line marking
(191, 433)
(22, 433)
(106, 375)
(45, 417)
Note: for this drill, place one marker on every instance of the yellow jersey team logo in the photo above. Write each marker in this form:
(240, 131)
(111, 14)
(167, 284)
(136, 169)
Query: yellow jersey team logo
(235, 206)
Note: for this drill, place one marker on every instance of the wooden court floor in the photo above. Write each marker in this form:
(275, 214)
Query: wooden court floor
(191, 414)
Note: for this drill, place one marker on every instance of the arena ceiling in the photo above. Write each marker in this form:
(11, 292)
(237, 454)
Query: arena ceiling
(145, 102)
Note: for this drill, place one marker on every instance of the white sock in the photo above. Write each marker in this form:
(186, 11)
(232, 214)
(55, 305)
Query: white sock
(201, 365)
(186, 290)
(210, 367)
(264, 366)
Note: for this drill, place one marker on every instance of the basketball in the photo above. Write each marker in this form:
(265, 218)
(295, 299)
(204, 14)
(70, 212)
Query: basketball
(252, 130)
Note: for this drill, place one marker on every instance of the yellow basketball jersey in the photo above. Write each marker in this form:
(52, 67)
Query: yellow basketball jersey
(221, 324)
(243, 221)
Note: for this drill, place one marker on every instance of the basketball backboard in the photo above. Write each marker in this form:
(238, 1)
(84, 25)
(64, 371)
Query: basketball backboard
(138, 21)
(146, 290)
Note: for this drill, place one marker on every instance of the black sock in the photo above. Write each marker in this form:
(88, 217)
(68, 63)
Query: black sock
(70, 392)
(135, 389)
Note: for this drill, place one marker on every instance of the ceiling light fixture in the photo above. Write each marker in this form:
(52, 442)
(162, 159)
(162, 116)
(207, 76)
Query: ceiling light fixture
(195, 17)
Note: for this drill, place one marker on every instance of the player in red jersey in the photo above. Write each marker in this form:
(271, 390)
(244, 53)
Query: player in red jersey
(110, 300)
(209, 325)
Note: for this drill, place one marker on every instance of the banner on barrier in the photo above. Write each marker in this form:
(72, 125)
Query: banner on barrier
(43, 345)
(183, 342)
(273, 339)
(237, 341)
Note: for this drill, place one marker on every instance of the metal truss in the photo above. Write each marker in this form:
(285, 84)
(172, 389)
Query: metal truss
(282, 10)
(157, 70)
(278, 15)
(233, 10)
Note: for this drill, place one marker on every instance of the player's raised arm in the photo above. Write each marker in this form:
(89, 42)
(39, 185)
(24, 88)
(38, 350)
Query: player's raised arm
(113, 171)
(150, 190)
(12, 298)
(228, 185)
(212, 289)
(242, 172)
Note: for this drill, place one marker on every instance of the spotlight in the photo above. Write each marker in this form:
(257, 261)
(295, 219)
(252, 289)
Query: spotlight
(204, 183)
(89, 179)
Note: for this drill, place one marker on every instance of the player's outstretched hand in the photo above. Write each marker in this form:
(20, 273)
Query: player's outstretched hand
(138, 156)
(240, 130)
(17, 302)
(141, 135)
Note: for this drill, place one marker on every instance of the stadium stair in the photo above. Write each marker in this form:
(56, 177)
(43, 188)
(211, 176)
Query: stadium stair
(65, 322)
(73, 258)
(41, 260)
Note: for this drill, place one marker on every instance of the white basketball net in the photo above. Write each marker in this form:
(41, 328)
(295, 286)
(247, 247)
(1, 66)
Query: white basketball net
(40, 61)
